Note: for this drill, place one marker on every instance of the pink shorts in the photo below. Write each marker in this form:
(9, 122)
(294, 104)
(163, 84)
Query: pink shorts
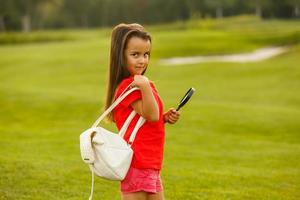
(147, 180)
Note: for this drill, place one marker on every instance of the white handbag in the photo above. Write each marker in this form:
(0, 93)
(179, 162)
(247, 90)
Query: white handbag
(108, 154)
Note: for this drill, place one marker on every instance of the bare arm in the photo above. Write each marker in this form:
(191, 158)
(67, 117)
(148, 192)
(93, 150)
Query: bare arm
(146, 107)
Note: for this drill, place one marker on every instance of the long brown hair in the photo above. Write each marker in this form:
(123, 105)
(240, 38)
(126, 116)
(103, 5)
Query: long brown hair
(117, 67)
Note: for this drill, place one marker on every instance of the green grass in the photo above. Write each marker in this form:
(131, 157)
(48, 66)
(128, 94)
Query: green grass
(238, 138)
(17, 38)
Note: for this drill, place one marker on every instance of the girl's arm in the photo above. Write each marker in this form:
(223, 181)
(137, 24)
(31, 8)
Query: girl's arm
(146, 107)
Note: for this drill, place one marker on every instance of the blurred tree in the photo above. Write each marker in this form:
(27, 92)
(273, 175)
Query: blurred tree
(4, 9)
(258, 6)
(296, 5)
(25, 10)
(196, 8)
(96, 12)
(39, 14)
(47, 12)
(219, 6)
(258, 9)
(75, 12)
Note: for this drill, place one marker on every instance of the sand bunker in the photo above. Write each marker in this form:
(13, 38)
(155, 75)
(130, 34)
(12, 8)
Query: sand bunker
(258, 55)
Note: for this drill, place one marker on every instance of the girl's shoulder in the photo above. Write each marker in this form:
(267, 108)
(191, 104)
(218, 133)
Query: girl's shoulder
(123, 85)
(126, 82)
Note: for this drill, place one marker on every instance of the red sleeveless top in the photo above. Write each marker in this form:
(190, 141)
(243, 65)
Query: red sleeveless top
(148, 145)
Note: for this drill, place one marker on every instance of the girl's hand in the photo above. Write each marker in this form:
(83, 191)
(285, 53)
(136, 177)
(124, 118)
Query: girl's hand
(171, 116)
(140, 81)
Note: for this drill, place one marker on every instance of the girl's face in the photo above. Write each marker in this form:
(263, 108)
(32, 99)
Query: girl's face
(137, 55)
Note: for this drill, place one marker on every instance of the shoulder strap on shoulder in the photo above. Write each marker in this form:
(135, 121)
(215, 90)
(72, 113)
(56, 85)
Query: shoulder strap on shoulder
(114, 104)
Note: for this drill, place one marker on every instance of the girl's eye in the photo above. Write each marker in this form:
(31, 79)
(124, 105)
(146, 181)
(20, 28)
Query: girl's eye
(134, 54)
(146, 55)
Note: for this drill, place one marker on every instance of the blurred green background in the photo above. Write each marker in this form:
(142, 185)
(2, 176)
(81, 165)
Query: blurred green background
(27, 15)
(238, 137)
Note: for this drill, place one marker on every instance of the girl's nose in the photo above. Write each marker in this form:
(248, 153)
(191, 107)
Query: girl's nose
(142, 60)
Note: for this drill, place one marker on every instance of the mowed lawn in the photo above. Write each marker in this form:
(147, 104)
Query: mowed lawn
(238, 137)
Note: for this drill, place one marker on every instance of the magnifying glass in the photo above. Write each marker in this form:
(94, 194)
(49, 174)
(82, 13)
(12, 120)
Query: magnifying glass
(186, 98)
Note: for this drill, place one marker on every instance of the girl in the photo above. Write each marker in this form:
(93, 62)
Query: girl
(129, 57)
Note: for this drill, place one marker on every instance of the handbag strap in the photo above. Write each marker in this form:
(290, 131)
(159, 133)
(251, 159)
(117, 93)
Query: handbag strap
(114, 104)
(122, 131)
(93, 181)
(126, 124)
(139, 123)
